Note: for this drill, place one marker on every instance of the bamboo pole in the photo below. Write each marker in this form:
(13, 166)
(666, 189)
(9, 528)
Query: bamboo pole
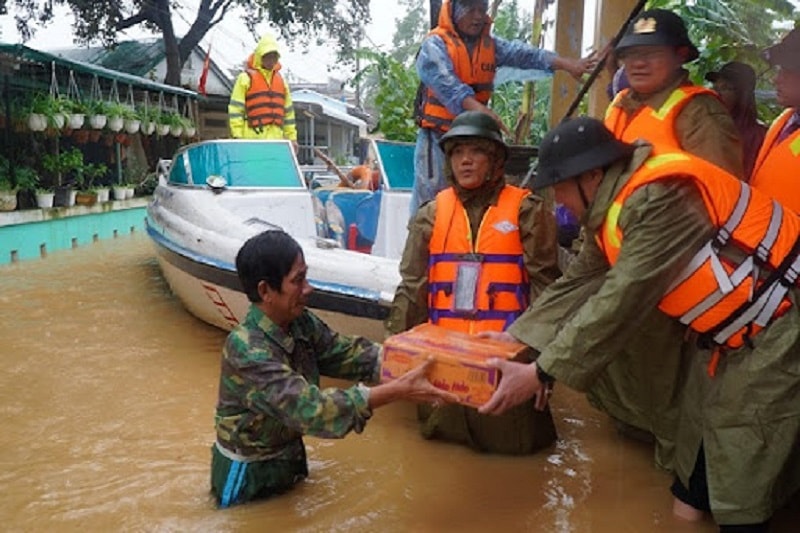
(522, 128)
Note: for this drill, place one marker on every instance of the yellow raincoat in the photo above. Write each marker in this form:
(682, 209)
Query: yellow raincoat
(236, 108)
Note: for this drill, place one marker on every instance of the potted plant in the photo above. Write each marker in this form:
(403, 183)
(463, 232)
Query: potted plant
(8, 188)
(150, 118)
(176, 123)
(76, 114)
(59, 166)
(98, 114)
(116, 115)
(85, 176)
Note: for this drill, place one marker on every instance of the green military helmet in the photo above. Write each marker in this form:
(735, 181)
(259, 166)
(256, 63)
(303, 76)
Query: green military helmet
(574, 147)
(474, 124)
(657, 27)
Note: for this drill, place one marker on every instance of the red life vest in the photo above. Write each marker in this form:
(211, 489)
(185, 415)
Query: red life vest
(657, 126)
(476, 70)
(265, 102)
(500, 290)
(728, 301)
(778, 164)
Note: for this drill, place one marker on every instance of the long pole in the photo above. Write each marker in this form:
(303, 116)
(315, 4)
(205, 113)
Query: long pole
(601, 64)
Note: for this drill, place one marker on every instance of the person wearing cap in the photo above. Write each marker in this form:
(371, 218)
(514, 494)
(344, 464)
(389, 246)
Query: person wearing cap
(261, 106)
(662, 105)
(735, 83)
(664, 108)
(778, 161)
(456, 67)
(658, 226)
(475, 257)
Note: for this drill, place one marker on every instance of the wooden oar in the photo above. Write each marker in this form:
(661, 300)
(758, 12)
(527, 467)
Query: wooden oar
(332, 166)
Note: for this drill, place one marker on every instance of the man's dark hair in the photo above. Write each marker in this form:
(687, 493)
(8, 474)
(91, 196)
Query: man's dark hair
(268, 256)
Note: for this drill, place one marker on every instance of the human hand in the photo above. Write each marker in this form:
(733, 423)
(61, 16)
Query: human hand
(414, 385)
(578, 67)
(519, 383)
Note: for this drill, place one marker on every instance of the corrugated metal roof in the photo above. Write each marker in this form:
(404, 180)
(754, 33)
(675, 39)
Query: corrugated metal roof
(23, 52)
(134, 57)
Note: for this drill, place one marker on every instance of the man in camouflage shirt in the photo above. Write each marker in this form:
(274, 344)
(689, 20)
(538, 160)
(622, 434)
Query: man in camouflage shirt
(269, 394)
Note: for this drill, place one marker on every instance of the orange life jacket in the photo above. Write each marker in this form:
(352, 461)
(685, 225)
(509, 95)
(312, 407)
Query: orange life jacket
(265, 102)
(657, 126)
(476, 70)
(496, 265)
(727, 301)
(778, 164)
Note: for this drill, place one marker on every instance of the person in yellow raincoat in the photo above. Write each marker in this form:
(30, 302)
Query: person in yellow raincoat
(261, 102)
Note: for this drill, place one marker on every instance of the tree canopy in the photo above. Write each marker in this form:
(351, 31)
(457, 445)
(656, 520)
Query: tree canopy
(100, 21)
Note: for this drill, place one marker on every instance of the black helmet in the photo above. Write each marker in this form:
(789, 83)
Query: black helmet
(574, 147)
(657, 27)
(474, 124)
(786, 53)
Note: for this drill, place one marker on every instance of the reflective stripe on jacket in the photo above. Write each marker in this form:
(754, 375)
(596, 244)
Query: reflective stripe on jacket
(657, 126)
(778, 164)
(476, 70)
(265, 101)
(727, 300)
(496, 263)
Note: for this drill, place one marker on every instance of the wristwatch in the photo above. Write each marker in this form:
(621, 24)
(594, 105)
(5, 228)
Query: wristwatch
(543, 376)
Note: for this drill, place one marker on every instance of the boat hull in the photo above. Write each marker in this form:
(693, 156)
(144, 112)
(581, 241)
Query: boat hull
(210, 290)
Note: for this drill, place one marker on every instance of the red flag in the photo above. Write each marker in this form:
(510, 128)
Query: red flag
(201, 85)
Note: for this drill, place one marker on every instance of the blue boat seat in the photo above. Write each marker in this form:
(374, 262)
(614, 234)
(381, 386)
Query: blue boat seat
(352, 217)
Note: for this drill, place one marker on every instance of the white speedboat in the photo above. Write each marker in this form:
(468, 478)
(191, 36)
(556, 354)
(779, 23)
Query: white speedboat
(214, 195)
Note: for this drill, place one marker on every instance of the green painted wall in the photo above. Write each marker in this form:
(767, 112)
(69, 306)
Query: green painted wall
(24, 241)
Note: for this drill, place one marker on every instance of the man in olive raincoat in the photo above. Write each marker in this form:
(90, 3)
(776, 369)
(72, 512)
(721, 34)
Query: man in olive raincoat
(737, 451)
(261, 102)
(663, 107)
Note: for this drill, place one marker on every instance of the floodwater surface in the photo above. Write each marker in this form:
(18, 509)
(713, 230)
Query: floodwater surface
(107, 397)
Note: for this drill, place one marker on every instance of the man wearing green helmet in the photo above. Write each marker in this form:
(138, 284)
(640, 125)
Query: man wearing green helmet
(475, 257)
(675, 233)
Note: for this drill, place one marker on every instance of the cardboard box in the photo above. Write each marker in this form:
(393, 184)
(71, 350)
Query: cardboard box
(460, 360)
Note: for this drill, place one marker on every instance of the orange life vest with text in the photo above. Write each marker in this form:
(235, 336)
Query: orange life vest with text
(777, 169)
(657, 126)
(482, 287)
(476, 70)
(727, 301)
(265, 102)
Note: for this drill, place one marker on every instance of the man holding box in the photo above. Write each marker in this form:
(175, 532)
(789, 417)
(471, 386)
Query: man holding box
(269, 393)
(674, 232)
(475, 257)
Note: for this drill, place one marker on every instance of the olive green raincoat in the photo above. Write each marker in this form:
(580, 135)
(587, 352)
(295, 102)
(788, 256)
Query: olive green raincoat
(747, 417)
(631, 389)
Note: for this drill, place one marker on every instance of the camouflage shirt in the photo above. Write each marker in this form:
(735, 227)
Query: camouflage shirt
(269, 394)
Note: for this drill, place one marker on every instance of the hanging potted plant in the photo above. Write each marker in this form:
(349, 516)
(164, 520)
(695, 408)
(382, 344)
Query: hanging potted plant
(98, 114)
(176, 123)
(37, 114)
(116, 116)
(150, 118)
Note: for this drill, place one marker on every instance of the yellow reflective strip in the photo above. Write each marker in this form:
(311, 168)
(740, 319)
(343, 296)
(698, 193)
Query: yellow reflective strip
(794, 146)
(663, 159)
(612, 217)
(673, 100)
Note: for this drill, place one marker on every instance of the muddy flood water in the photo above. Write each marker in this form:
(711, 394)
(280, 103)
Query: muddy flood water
(107, 397)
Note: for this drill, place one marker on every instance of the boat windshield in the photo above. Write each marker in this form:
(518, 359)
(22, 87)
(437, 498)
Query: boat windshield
(240, 163)
(397, 161)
